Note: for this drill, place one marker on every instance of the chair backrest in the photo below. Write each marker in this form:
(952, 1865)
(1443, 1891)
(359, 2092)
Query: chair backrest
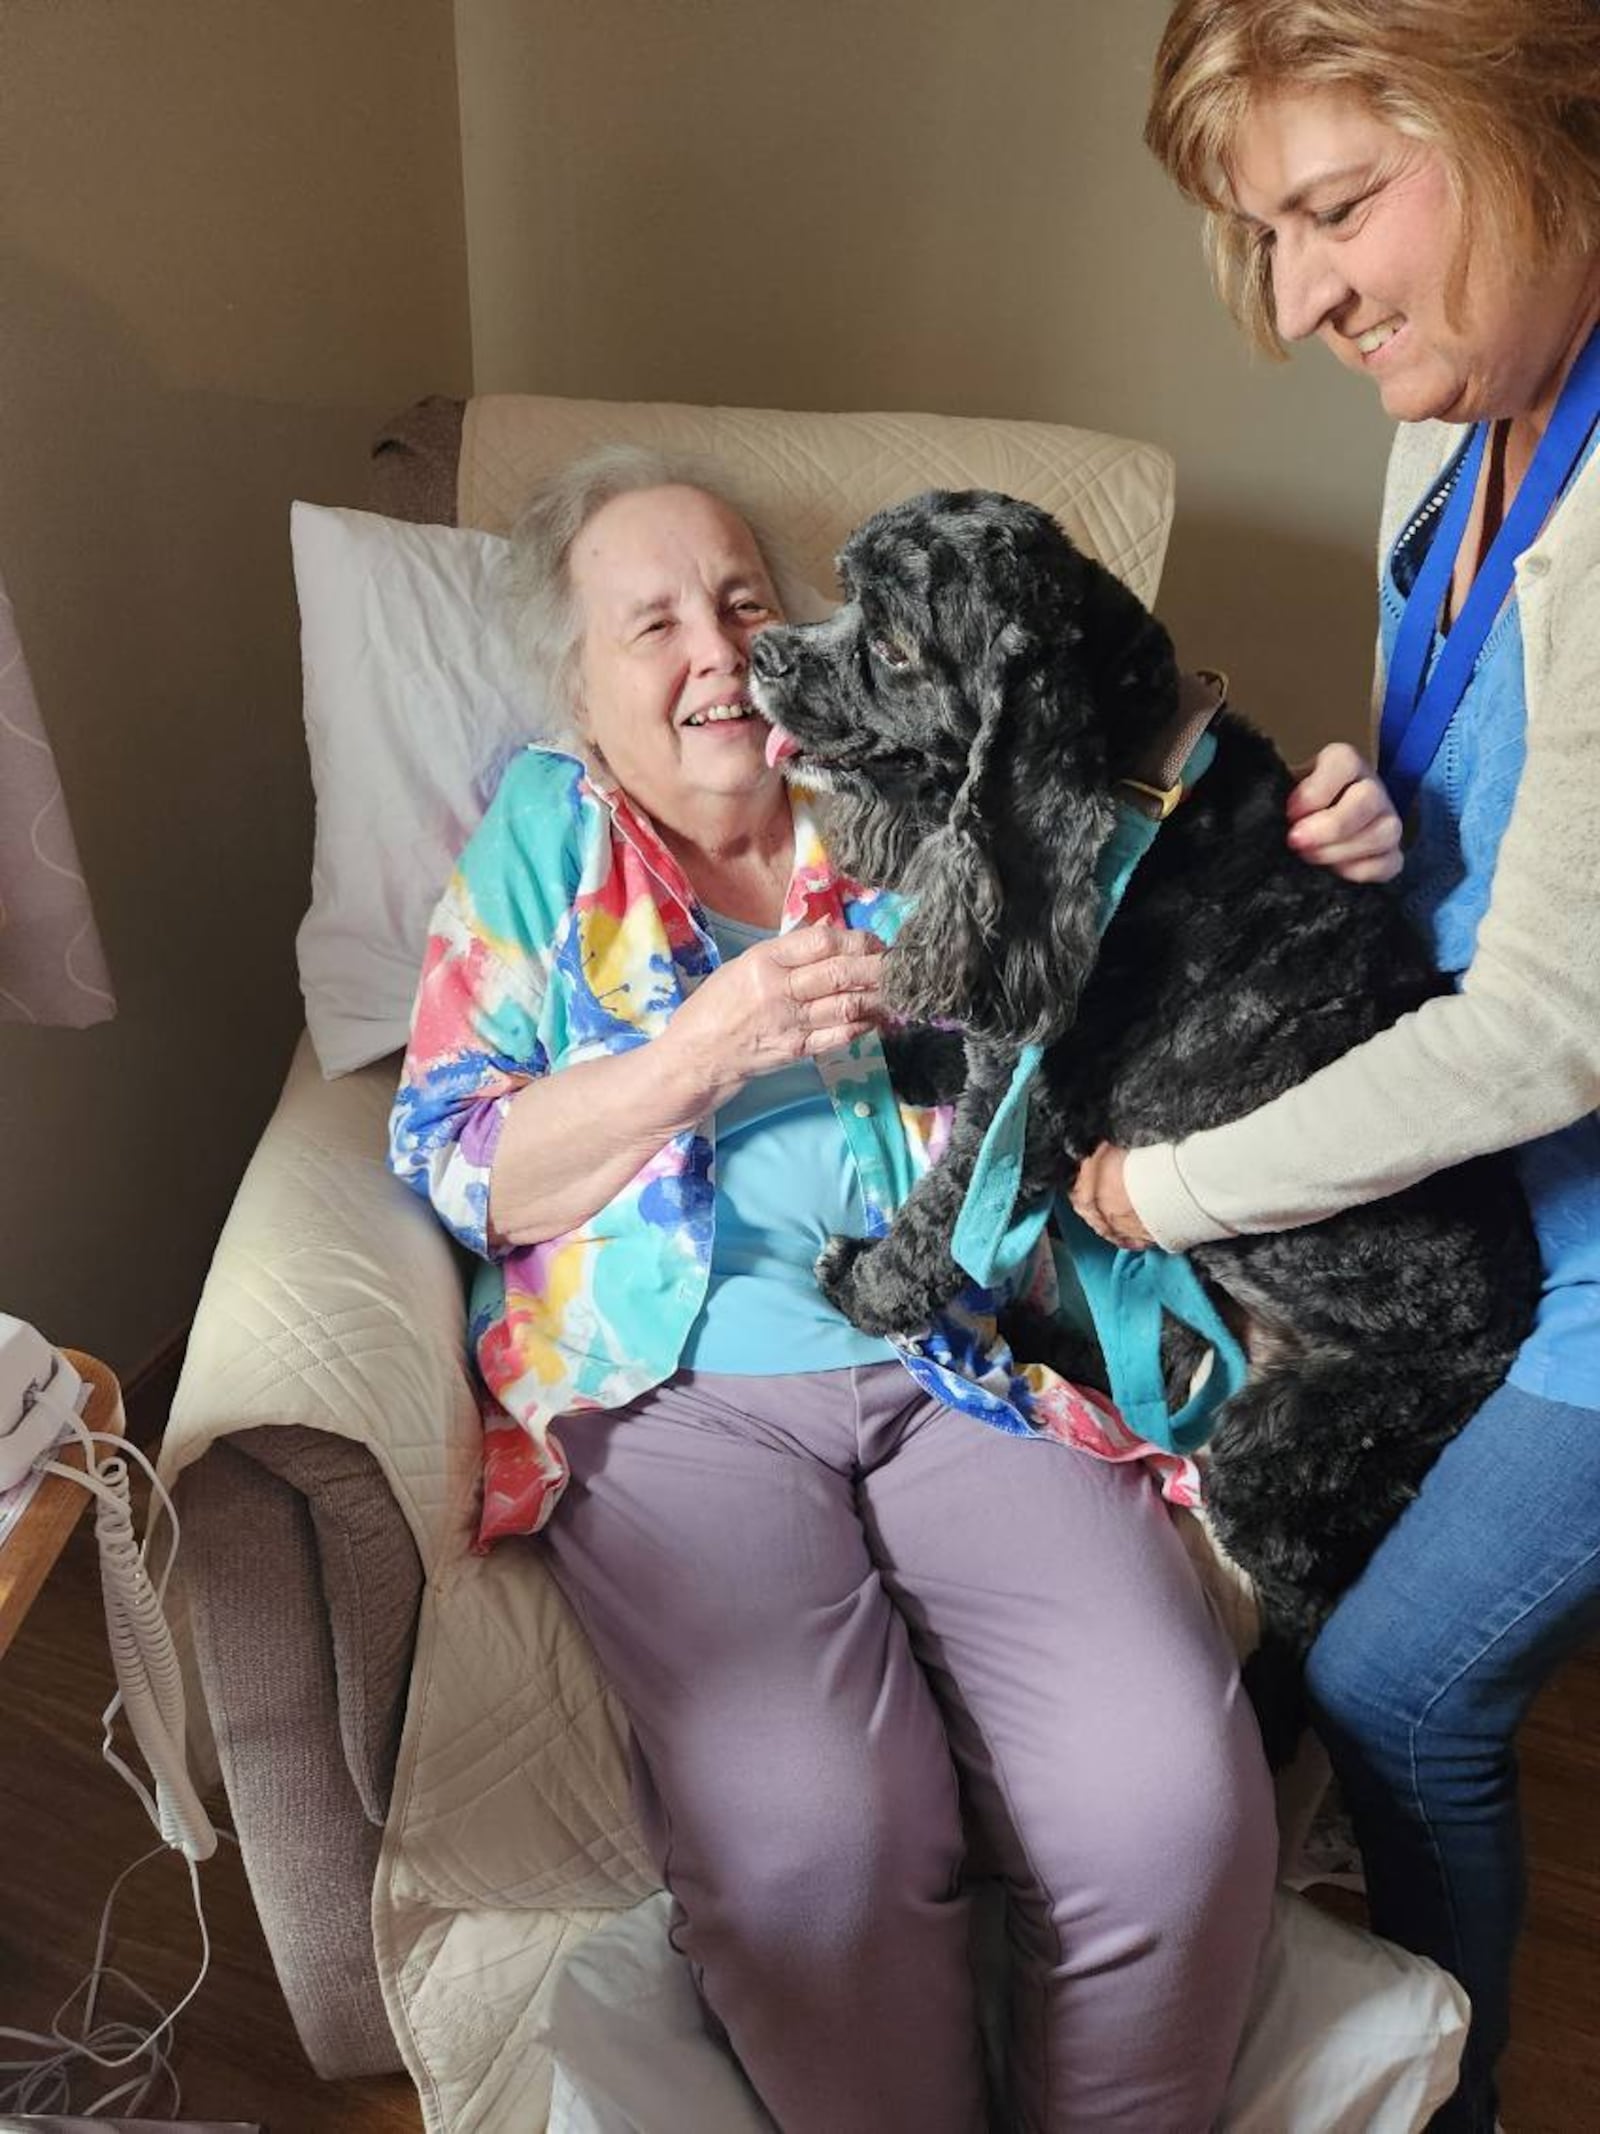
(814, 477)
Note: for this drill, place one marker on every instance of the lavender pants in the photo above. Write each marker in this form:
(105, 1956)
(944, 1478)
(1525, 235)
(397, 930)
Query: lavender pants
(870, 1647)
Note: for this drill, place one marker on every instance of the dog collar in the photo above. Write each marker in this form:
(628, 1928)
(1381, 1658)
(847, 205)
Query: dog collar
(1170, 768)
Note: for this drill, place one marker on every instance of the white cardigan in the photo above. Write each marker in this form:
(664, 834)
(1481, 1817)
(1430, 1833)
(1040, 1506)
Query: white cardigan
(1516, 1052)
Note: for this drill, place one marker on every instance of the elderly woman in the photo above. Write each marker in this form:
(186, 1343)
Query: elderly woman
(1417, 184)
(865, 1642)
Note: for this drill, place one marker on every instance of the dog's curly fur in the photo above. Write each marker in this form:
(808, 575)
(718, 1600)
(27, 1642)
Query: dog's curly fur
(965, 717)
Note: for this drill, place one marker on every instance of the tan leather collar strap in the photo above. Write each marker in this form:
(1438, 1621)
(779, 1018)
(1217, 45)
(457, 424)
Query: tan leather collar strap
(1159, 787)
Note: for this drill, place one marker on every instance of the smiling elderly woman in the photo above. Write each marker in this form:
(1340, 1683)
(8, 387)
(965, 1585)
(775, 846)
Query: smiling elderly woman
(855, 1627)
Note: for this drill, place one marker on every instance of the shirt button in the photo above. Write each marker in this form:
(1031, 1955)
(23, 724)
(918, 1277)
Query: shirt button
(861, 1108)
(1535, 566)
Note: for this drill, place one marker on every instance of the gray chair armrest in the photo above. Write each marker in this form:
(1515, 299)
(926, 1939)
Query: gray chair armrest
(367, 1571)
(301, 1583)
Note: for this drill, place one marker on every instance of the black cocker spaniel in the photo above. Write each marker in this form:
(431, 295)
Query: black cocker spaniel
(966, 720)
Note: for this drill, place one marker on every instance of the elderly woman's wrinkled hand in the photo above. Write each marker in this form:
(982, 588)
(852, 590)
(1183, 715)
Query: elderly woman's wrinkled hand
(1101, 1198)
(1341, 816)
(805, 992)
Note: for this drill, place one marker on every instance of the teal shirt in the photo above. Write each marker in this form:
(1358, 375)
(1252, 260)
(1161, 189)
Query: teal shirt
(785, 1183)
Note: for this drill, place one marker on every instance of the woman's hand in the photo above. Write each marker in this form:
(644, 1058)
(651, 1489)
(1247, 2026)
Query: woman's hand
(805, 992)
(1341, 816)
(1101, 1198)
(573, 1139)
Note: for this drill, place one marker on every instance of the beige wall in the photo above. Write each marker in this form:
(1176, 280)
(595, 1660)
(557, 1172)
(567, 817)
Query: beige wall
(232, 243)
(915, 204)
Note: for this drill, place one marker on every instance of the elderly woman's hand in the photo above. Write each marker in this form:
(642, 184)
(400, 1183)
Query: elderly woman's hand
(1341, 816)
(1101, 1198)
(805, 992)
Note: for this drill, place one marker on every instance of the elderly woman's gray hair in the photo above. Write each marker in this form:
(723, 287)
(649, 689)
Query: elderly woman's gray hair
(546, 615)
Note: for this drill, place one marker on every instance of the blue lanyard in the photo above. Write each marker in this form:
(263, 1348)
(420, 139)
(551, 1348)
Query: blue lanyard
(1415, 716)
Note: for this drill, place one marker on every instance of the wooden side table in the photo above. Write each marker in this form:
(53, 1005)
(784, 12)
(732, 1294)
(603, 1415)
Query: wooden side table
(40, 1534)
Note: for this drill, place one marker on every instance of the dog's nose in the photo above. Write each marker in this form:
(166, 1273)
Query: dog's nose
(769, 657)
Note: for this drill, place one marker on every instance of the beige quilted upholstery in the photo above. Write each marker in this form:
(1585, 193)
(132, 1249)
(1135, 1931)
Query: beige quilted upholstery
(334, 1302)
(817, 476)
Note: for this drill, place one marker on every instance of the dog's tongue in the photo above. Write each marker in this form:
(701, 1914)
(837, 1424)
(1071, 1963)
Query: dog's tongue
(779, 745)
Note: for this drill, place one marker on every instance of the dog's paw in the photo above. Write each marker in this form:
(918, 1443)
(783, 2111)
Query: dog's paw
(836, 1271)
(849, 1271)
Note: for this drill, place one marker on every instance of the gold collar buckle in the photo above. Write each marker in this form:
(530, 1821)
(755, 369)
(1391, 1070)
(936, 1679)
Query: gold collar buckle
(1162, 798)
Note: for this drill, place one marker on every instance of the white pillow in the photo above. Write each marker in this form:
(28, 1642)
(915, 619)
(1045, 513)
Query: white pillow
(1347, 2035)
(414, 701)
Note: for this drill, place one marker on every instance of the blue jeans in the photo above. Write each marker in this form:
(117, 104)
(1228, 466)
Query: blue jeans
(1422, 1676)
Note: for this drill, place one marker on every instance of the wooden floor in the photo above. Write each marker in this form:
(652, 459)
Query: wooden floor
(68, 1826)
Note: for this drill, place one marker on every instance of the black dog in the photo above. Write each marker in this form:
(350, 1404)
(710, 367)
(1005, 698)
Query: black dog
(967, 718)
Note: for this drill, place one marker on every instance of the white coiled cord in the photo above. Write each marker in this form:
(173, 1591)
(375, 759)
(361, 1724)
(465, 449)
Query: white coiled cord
(150, 1694)
(150, 1681)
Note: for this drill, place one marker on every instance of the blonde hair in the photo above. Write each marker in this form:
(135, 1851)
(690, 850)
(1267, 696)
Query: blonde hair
(546, 614)
(1507, 92)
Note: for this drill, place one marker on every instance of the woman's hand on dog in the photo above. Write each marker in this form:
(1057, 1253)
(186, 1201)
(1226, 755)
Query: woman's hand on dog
(1341, 816)
(1100, 1196)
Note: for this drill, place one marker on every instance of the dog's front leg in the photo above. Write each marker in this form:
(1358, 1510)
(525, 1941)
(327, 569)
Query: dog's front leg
(896, 1284)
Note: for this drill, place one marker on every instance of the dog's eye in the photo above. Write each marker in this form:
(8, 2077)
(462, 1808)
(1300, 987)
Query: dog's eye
(889, 651)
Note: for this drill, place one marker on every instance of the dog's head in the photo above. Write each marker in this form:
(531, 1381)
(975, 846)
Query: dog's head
(964, 715)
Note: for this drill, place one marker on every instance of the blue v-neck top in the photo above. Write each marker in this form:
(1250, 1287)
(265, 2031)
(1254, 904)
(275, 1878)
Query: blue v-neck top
(1463, 806)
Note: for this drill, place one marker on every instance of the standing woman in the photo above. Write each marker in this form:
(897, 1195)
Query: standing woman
(1417, 184)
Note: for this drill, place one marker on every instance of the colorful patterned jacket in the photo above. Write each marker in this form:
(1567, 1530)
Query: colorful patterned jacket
(568, 931)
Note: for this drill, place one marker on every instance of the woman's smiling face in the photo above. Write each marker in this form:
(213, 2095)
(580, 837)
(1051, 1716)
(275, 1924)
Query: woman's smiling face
(671, 589)
(1364, 233)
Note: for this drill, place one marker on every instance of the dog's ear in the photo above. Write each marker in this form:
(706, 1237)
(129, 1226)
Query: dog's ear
(942, 962)
(1057, 827)
(1002, 926)
(943, 953)
(1085, 711)
(956, 957)
(1131, 669)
